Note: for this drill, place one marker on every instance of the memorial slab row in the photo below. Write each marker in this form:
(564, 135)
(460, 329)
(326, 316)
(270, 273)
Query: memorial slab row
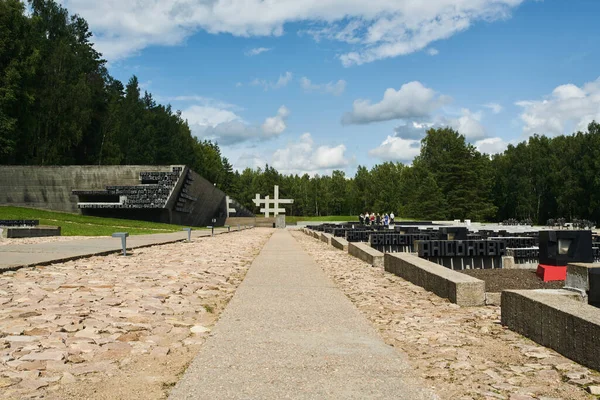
(460, 248)
(395, 242)
(19, 222)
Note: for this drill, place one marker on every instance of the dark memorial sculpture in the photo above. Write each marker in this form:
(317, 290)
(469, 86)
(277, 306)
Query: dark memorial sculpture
(558, 248)
(179, 196)
(463, 254)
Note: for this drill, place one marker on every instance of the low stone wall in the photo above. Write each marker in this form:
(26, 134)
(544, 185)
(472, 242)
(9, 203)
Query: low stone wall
(316, 234)
(326, 237)
(570, 327)
(339, 243)
(459, 288)
(29, 232)
(259, 222)
(366, 253)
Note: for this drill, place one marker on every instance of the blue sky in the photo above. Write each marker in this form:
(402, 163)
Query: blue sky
(315, 85)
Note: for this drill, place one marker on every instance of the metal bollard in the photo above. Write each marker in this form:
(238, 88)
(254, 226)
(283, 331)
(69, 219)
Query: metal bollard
(189, 232)
(228, 228)
(123, 236)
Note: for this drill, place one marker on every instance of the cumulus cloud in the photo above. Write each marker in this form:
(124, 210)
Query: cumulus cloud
(468, 124)
(258, 50)
(335, 89)
(396, 148)
(495, 107)
(302, 156)
(377, 29)
(228, 128)
(568, 108)
(278, 84)
(412, 130)
(249, 160)
(493, 145)
(274, 126)
(411, 101)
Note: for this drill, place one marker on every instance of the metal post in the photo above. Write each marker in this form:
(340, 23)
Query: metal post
(123, 236)
(189, 232)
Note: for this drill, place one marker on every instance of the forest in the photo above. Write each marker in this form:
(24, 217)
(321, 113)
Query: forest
(60, 106)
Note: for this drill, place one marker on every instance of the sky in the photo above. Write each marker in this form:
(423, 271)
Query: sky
(309, 86)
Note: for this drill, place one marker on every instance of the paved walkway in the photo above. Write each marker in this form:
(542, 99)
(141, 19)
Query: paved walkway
(289, 333)
(15, 256)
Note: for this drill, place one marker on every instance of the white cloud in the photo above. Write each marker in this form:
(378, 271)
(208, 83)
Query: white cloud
(469, 125)
(281, 82)
(258, 50)
(208, 116)
(249, 160)
(302, 156)
(495, 107)
(227, 128)
(378, 29)
(411, 101)
(567, 109)
(335, 89)
(433, 52)
(493, 145)
(397, 149)
(274, 126)
(199, 101)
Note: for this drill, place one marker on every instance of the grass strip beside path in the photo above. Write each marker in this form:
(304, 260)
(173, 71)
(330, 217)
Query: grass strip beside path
(81, 225)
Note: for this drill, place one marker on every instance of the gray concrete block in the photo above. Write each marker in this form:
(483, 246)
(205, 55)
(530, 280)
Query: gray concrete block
(30, 232)
(455, 286)
(326, 238)
(553, 319)
(366, 253)
(339, 243)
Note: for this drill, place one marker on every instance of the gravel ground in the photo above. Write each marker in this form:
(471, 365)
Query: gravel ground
(464, 352)
(497, 280)
(117, 327)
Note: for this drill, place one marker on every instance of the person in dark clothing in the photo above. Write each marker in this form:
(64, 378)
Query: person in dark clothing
(378, 219)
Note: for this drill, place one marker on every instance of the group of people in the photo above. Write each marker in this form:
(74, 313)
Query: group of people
(376, 219)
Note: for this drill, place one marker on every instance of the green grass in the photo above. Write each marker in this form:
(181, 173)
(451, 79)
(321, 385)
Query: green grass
(80, 225)
(332, 218)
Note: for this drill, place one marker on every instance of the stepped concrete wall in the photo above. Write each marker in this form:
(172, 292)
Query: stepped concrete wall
(51, 188)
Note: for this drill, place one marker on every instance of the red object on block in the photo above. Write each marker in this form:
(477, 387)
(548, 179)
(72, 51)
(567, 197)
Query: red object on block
(549, 273)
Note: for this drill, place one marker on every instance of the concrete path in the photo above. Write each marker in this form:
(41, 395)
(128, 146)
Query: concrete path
(15, 256)
(289, 333)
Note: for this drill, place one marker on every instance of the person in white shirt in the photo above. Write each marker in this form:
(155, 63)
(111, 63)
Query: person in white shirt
(392, 218)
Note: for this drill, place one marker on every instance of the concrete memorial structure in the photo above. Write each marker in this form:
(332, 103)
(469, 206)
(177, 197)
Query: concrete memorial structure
(13, 229)
(559, 248)
(170, 194)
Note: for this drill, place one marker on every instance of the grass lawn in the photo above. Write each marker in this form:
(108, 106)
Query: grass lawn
(333, 218)
(79, 225)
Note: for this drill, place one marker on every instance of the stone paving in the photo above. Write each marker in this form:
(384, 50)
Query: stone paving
(109, 327)
(464, 352)
(289, 333)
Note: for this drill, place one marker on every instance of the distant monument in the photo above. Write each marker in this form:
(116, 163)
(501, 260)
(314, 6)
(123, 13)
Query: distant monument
(276, 210)
(230, 204)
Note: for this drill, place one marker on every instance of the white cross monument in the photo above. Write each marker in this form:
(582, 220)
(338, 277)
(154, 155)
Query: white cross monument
(276, 210)
(230, 209)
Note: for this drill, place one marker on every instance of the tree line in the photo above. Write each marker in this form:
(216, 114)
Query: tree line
(60, 106)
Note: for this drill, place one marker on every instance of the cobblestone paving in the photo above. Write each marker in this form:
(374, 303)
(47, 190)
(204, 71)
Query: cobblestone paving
(116, 327)
(465, 353)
